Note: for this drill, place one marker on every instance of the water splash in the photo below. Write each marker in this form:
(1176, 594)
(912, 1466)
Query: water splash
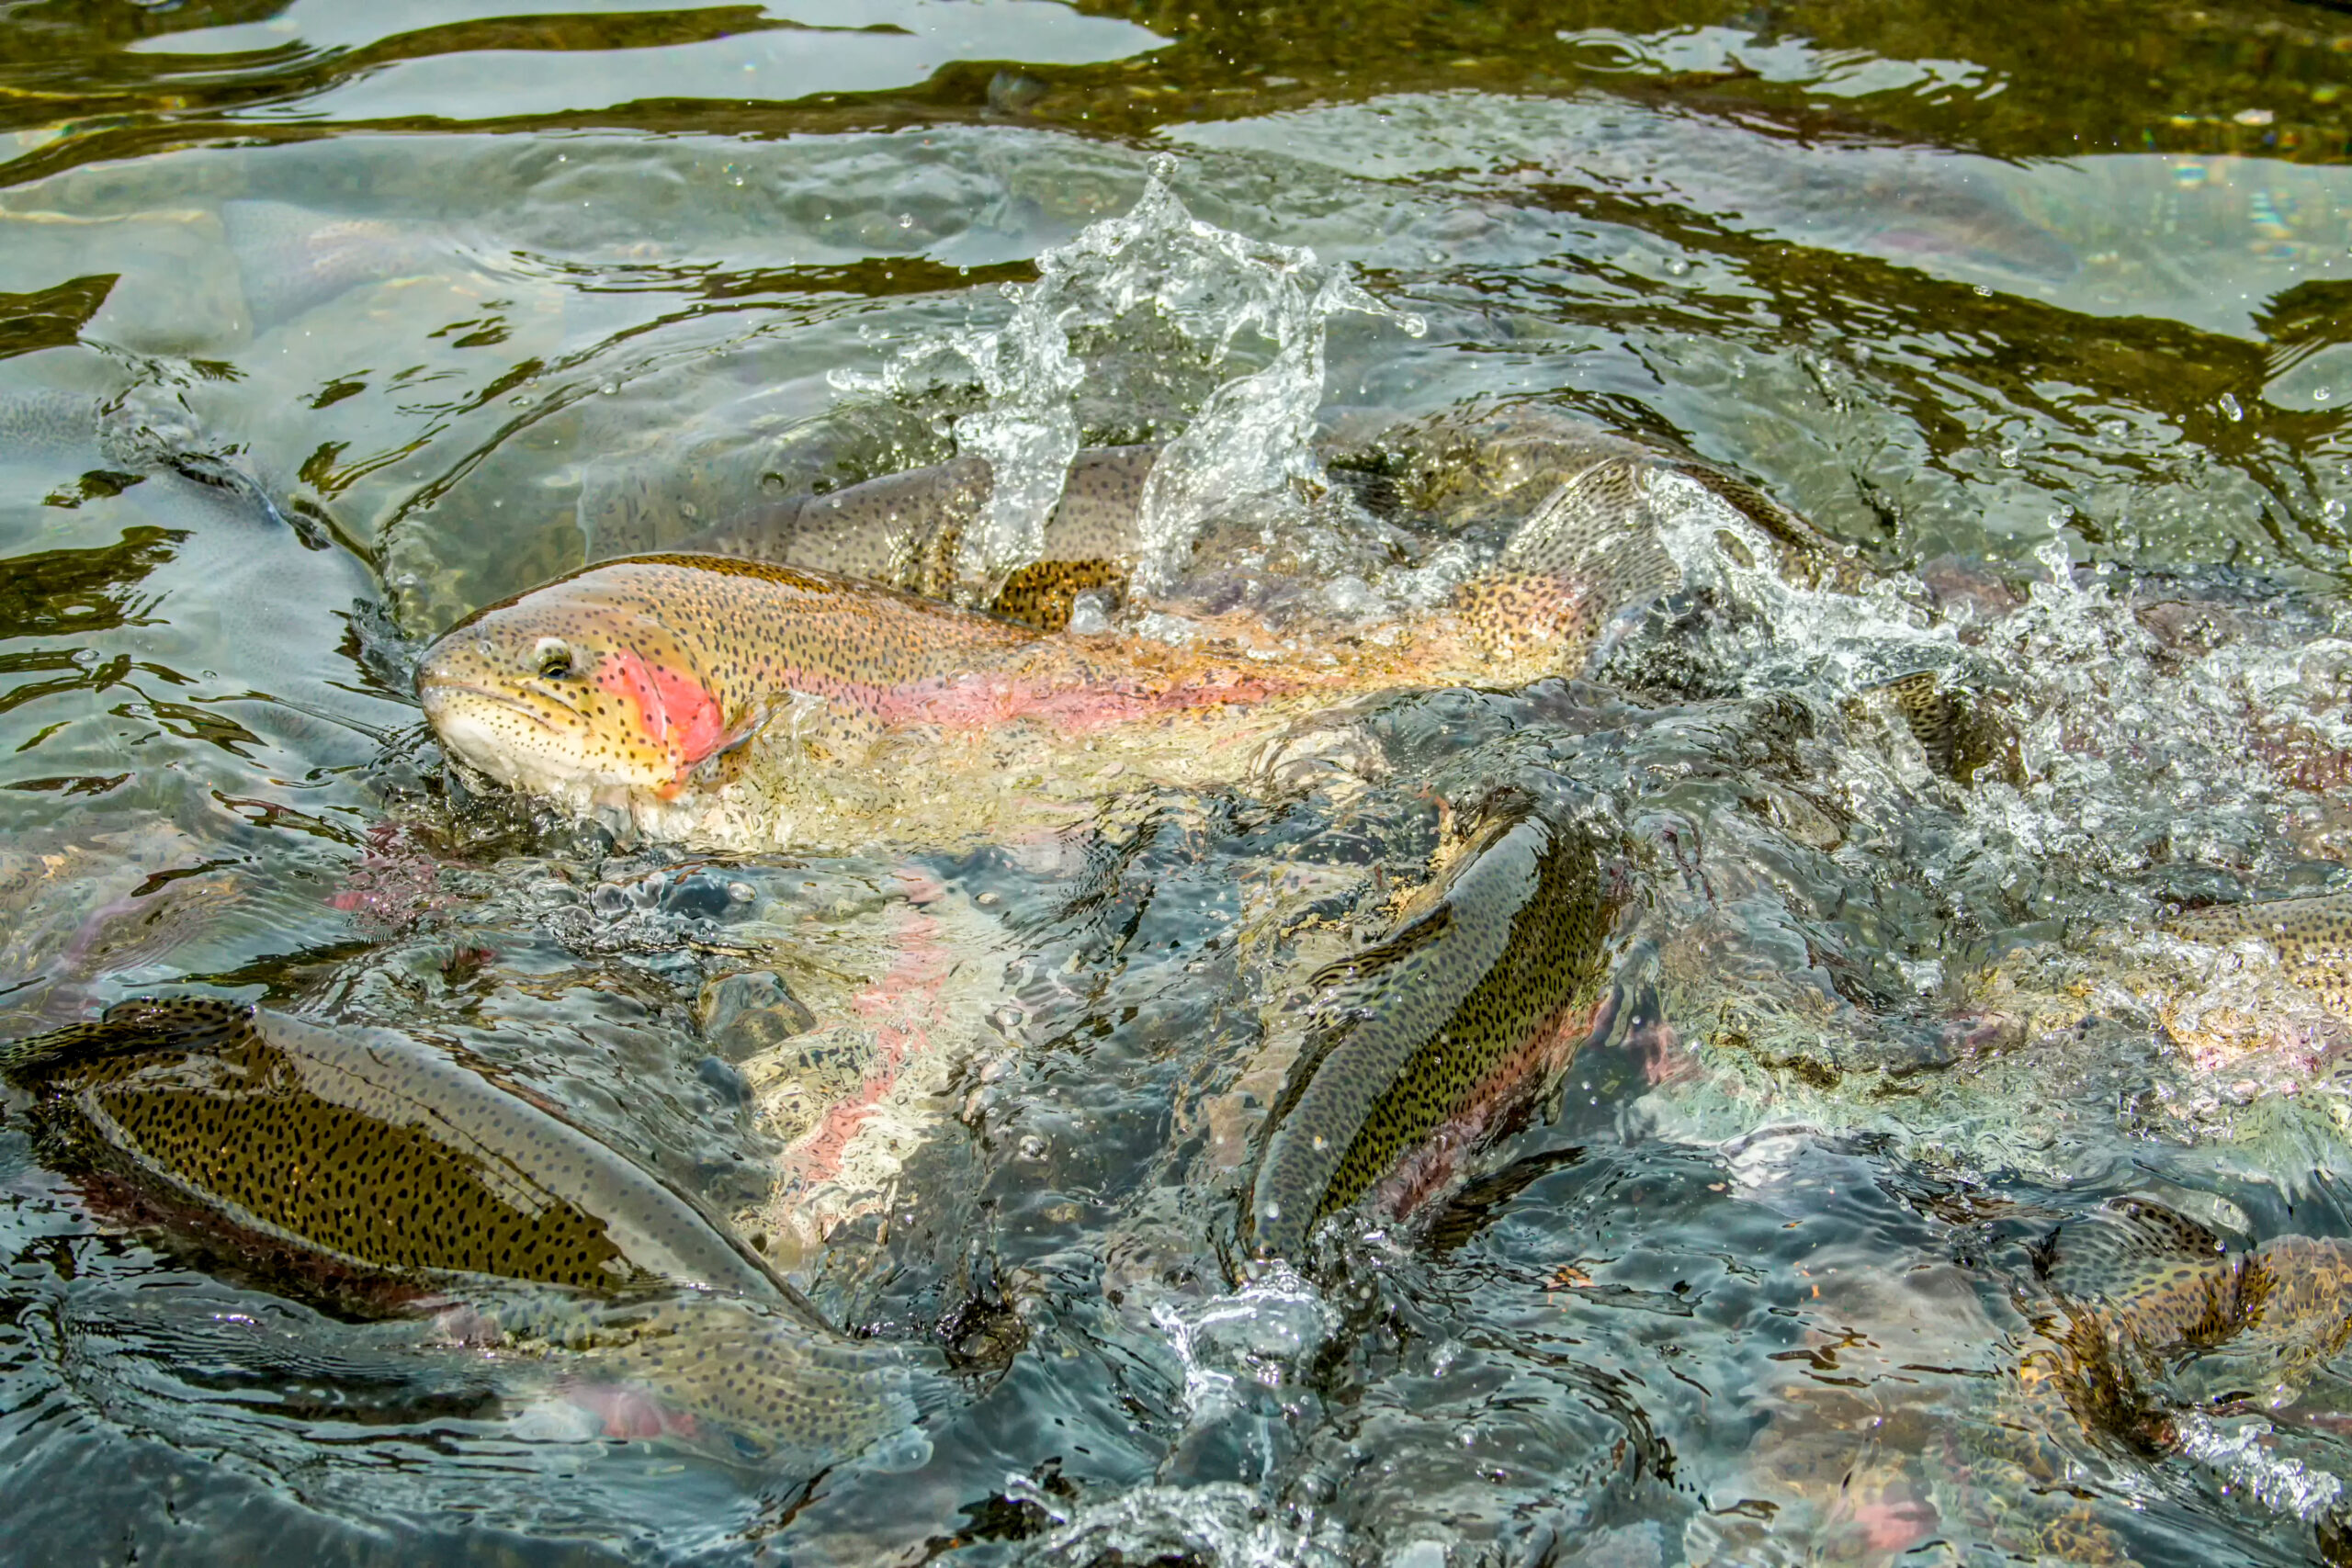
(1214, 287)
(1223, 1523)
(2241, 1456)
(1794, 637)
(1261, 1335)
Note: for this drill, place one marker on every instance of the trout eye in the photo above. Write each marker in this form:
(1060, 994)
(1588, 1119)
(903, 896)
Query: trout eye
(554, 655)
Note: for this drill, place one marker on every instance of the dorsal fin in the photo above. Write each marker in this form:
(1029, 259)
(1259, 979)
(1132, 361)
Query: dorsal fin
(187, 1024)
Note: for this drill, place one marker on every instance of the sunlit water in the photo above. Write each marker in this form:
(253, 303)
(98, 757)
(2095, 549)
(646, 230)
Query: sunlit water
(2042, 314)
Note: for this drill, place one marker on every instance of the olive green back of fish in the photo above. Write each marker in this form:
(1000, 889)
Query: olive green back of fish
(2313, 937)
(1961, 730)
(2156, 1275)
(1459, 1019)
(366, 1148)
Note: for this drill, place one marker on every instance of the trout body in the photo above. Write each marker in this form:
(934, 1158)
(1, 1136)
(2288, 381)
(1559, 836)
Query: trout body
(1441, 1035)
(372, 1155)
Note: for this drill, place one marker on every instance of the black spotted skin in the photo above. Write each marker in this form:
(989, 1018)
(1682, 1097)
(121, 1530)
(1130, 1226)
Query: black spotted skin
(1439, 1035)
(367, 1148)
(734, 642)
(2313, 937)
(2136, 1272)
(906, 530)
(792, 613)
(379, 1154)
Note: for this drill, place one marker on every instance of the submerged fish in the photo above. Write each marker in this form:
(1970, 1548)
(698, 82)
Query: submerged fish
(1443, 1034)
(370, 1154)
(2313, 937)
(2153, 1294)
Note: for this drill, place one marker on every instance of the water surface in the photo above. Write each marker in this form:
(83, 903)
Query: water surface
(2047, 309)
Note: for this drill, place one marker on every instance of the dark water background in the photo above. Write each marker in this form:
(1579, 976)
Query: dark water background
(473, 294)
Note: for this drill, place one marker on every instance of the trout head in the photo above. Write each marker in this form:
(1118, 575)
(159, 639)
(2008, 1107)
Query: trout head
(577, 690)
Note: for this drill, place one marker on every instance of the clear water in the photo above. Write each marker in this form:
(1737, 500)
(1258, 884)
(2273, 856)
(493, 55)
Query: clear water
(2041, 312)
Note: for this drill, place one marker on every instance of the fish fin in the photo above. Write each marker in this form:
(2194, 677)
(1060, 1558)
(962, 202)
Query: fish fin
(189, 1023)
(1043, 593)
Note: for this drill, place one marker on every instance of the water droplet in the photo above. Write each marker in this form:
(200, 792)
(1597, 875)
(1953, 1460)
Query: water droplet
(1678, 267)
(609, 387)
(2230, 408)
(2008, 457)
(1984, 291)
(2321, 394)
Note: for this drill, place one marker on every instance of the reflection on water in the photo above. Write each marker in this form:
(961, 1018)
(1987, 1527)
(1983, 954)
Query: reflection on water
(1925, 1118)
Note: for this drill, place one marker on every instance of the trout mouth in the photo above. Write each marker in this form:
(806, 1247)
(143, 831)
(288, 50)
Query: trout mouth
(428, 689)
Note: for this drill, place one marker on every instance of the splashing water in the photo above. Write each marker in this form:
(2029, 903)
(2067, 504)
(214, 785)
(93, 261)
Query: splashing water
(2242, 1458)
(1221, 1522)
(1264, 1331)
(1251, 436)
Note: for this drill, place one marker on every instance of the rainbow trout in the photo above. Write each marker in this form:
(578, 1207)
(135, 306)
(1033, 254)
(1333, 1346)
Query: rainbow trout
(2148, 1291)
(2313, 937)
(629, 682)
(1441, 1035)
(377, 1157)
(629, 676)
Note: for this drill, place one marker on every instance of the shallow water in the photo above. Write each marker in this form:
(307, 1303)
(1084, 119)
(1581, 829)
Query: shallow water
(2043, 315)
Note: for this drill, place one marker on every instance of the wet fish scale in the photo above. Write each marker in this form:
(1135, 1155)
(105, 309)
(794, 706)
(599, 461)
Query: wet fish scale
(2311, 936)
(730, 1361)
(2166, 1284)
(367, 1148)
(682, 657)
(375, 1152)
(631, 673)
(1431, 1039)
